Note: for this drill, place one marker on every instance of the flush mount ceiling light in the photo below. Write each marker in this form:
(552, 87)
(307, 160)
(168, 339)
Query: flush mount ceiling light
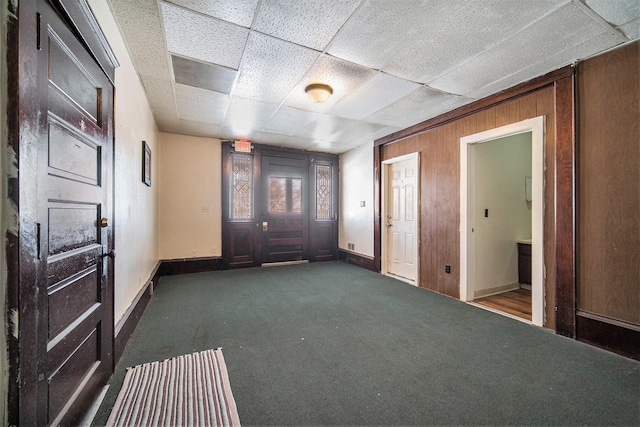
(318, 92)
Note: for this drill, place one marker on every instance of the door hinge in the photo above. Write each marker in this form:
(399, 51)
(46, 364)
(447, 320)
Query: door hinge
(39, 31)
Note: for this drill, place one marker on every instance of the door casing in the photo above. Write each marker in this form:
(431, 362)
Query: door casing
(536, 127)
(386, 199)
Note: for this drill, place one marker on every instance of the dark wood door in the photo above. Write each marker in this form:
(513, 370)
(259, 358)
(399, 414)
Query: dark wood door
(278, 205)
(285, 208)
(66, 342)
(323, 218)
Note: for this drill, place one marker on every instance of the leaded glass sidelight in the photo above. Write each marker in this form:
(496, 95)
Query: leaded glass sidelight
(241, 203)
(323, 191)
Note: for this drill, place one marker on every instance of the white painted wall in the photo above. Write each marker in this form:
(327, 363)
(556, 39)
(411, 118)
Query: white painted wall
(190, 197)
(356, 185)
(136, 205)
(497, 182)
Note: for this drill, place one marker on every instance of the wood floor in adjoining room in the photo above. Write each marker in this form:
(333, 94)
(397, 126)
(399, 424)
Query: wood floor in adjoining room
(516, 302)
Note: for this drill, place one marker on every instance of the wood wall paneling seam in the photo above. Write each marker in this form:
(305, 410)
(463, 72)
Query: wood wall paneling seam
(565, 207)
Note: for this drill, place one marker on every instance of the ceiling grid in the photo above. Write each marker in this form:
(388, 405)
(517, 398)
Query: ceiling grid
(237, 69)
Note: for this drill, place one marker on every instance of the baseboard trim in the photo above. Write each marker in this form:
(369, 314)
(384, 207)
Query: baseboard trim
(610, 334)
(360, 260)
(497, 290)
(127, 324)
(281, 263)
(169, 267)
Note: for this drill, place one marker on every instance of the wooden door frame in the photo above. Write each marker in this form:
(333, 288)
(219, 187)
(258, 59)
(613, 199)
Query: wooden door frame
(25, 130)
(384, 200)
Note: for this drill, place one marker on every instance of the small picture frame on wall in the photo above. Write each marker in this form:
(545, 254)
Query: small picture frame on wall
(146, 164)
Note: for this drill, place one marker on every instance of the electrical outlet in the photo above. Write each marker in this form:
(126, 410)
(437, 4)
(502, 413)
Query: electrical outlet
(205, 209)
(193, 253)
(447, 269)
(362, 204)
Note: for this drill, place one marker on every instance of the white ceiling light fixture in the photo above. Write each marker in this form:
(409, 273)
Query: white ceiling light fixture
(318, 92)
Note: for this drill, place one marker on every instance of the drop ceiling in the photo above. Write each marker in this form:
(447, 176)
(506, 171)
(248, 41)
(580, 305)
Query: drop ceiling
(237, 69)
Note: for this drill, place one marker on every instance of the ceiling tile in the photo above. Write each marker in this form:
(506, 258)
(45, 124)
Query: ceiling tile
(358, 131)
(447, 45)
(419, 105)
(311, 23)
(271, 68)
(141, 26)
(200, 105)
(343, 76)
(168, 124)
(323, 127)
(376, 32)
(335, 147)
(288, 120)
(233, 133)
(376, 93)
(203, 75)
(283, 140)
(199, 129)
(239, 12)
(386, 131)
(202, 37)
(420, 39)
(557, 32)
(248, 113)
(560, 59)
(616, 12)
(631, 29)
(160, 96)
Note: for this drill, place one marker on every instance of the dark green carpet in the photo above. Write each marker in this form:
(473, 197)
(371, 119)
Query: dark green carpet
(330, 343)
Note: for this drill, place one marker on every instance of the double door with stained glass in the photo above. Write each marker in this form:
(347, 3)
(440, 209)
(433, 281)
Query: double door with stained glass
(278, 206)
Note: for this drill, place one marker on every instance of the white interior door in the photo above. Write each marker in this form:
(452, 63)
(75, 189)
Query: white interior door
(401, 218)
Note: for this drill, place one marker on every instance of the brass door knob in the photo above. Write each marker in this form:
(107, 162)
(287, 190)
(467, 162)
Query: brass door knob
(104, 222)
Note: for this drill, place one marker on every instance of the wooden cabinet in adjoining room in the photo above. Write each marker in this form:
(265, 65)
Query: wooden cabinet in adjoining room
(524, 263)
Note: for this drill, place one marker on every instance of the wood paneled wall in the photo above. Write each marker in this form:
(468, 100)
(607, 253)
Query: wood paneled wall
(608, 232)
(439, 149)
(592, 193)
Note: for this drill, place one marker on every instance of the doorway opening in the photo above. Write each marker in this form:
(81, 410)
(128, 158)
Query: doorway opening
(501, 220)
(400, 210)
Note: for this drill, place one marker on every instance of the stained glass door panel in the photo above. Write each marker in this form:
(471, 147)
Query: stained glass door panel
(285, 209)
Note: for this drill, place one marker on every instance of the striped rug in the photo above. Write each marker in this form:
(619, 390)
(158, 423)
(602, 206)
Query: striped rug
(189, 390)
